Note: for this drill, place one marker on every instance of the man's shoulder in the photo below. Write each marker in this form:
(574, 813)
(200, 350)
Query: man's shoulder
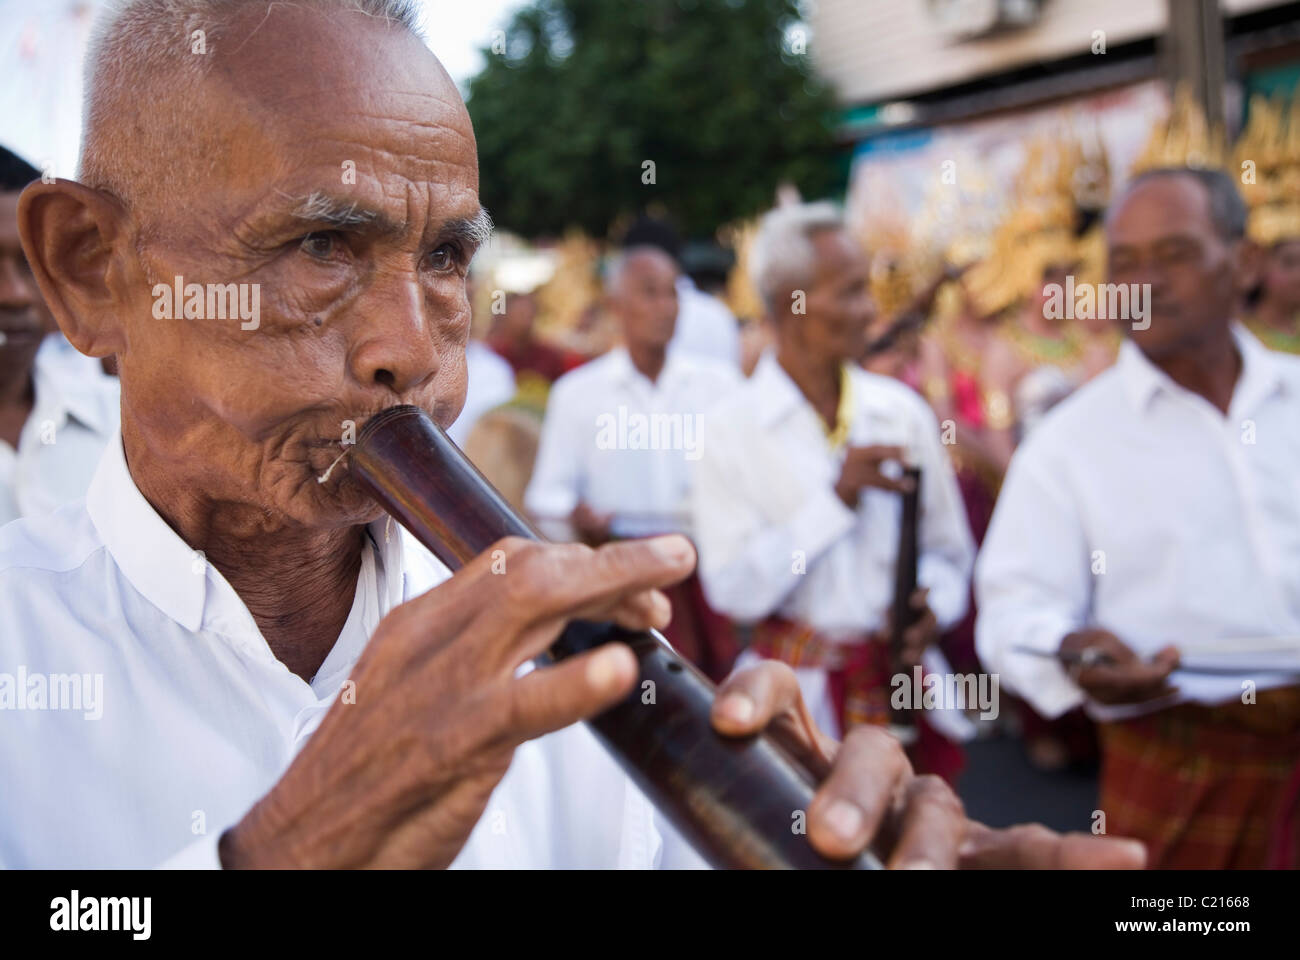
(55, 543)
(707, 371)
(876, 388)
(1101, 398)
(590, 375)
(739, 404)
(1070, 428)
(49, 566)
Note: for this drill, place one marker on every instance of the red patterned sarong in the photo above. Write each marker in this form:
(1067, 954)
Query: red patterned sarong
(859, 677)
(1207, 787)
(699, 633)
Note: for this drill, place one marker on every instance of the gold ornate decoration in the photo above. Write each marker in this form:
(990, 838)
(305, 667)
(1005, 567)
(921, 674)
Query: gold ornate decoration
(741, 297)
(572, 289)
(1184, 139)
(1267, 159)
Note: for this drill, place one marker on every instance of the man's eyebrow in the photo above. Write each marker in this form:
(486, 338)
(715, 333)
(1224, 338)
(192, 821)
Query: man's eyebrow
(472, 231)
(329, 211)
(319, 207)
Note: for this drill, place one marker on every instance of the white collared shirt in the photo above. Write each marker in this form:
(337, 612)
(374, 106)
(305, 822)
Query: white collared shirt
(624, 445)
(74, 414)
(1139, 508)
(774, 538)
(706, 328)
(184, 717)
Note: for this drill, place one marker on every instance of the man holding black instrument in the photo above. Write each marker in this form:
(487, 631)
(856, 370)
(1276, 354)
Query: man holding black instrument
(268, 673)
(797, 497)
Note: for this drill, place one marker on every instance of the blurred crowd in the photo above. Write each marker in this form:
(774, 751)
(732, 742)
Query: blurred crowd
(789, 484)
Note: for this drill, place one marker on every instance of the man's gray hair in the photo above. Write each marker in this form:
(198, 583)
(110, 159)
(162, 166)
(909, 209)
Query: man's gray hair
(782, 256)
(138, 47)
(1227, 209)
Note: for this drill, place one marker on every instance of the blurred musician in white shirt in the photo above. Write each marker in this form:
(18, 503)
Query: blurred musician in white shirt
(1158, 508)
(796, 509)
(622, 437)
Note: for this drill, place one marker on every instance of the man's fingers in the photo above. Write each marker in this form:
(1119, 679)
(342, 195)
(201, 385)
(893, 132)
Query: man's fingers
(578, 687)
(649, 609)
(882, 482)
(1134, 681)
(1034, 847)
(748, 699)
(853, 801)
(878, 453)
(933, 825)
(554, 583)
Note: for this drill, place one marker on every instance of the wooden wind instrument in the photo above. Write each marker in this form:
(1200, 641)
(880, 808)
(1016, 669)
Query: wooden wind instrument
(737, 800)
(902, 615)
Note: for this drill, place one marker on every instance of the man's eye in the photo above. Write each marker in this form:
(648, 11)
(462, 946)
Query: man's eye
(321, 246)
(443, 259)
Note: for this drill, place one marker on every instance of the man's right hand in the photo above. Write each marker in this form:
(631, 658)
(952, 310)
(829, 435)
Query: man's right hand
(1126, 677)
(862, 469)
(400, 777)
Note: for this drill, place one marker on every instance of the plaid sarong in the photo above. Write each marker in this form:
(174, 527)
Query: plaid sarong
(859, 677)
(1206, 787)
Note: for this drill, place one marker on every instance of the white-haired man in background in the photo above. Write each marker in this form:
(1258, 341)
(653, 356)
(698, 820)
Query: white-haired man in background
(796, 508)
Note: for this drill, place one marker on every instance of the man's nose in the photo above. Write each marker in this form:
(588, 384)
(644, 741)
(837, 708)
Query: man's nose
(395, 347)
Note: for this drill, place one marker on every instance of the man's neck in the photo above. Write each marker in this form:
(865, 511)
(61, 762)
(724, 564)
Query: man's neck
(299, 584)
(1209, 367)
(817, 380)
(648, 359)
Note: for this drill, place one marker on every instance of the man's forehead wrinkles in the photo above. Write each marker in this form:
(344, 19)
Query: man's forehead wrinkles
(360, 104)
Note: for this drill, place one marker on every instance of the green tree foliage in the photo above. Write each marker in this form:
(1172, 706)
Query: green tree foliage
(714, 92)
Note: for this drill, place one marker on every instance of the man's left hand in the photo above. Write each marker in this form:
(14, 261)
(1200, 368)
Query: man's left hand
(923, 631)
(869, 795)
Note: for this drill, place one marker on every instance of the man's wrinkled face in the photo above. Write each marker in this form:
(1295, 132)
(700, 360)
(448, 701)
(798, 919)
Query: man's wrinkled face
(348, 194)
(1162, 233)
(840, 310)
(646, 300)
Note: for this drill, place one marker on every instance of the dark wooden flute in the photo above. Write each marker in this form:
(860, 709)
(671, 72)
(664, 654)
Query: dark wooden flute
(740, 801)
(902, 615)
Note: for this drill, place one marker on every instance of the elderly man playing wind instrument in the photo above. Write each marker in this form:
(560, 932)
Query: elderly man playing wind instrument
(283, 679)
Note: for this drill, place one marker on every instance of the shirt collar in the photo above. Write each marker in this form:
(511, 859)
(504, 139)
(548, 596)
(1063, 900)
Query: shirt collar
(1259, 376)
(173, 576)
(622, 370)
(774, 393)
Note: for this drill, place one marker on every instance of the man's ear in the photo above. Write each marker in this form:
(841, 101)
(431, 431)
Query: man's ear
(73, 237)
